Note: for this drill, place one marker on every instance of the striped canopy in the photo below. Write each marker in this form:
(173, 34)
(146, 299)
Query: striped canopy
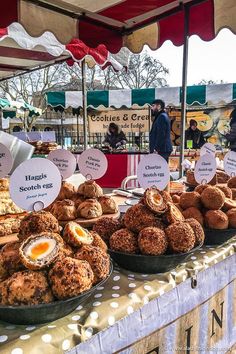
(211, 95)
(37, 33)
(12, 106)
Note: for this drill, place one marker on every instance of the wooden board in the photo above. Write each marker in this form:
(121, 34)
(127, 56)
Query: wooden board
(8, 239)
(88, 223)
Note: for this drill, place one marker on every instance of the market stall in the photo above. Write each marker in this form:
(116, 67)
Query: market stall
(120, 25)
(142, 313)
(149, 297)
(112, 25)
(209, 105)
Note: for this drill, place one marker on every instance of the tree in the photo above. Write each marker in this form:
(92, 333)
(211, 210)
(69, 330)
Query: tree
(210, 82)
(144, 71)
(33, 85)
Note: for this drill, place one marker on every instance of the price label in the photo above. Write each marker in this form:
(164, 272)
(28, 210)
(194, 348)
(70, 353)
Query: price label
(6, 161)
(208, 148)
(35, 184)
(65, 162)
(189, 144)
(230, 163)
(205, 169)
(93, 164)
(153, 170)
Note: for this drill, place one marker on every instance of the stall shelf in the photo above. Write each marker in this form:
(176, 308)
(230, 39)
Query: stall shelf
(192, 305)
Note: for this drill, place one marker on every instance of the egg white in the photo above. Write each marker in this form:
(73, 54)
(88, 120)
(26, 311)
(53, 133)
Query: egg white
(28, 251)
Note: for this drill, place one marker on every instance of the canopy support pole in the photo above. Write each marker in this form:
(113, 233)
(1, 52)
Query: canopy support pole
(77, 127)
(84, 96)
(1, 117)
(184, 88)
(62, 131)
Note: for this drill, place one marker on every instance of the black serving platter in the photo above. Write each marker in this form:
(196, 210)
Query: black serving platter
(149, 264)
(217, 237)
(44, 313)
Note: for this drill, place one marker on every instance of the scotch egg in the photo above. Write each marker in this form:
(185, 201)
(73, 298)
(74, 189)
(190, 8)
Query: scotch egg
(38, 252)
(155, 201)
(75, 235)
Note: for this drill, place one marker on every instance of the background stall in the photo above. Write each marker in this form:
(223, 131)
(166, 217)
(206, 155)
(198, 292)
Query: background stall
(209, 105)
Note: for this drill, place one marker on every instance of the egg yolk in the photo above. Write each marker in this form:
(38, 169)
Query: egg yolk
(157, 198)
(39, 249)
(79, 232)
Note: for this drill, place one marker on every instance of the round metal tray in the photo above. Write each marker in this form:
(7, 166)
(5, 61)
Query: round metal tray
(44, 313)
(217, 237)
(149, 264)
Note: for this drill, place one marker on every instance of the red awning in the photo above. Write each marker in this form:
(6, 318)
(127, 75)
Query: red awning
(113, 23)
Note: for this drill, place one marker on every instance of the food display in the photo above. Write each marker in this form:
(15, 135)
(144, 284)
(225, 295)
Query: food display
(37, 222)
(76, 236)
(212, 206)
(155, 226)
(231, 214)
(181, 237)
(153, 241)
(99, 261)
(43, 148)
(66, 283)
(108, 205)
(64, 210)
(25, 288)
(10, 213)
(85, 202)
(90, 209)
(45, 267)
(106, 226)
(216, 219)
(220, 177)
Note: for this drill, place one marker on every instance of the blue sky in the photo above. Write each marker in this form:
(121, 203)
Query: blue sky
(215, 60)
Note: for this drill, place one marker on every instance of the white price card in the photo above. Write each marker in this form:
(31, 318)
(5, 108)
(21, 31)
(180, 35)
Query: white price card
(153, 170)
(93, 164)
(208, 148)
(230, 163)
(64, 160)
(35, 184)
(6, 161)
(205, 169)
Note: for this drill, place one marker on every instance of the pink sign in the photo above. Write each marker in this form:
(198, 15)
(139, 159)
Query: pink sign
(153, 170)
(35, 184)
(93, 164)
(64, 160)
(6, 161)
(205, 169)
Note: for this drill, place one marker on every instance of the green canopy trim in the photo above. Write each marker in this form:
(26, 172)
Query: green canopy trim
(212, 95)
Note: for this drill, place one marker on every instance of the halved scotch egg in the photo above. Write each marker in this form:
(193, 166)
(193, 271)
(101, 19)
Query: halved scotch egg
(38, 252)
(155, 201)
(75, 235)
(173, 214)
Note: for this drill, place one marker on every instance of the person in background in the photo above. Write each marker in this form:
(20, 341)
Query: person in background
(115, 137)
(159, 137)
(231, 136)
(195, 135)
